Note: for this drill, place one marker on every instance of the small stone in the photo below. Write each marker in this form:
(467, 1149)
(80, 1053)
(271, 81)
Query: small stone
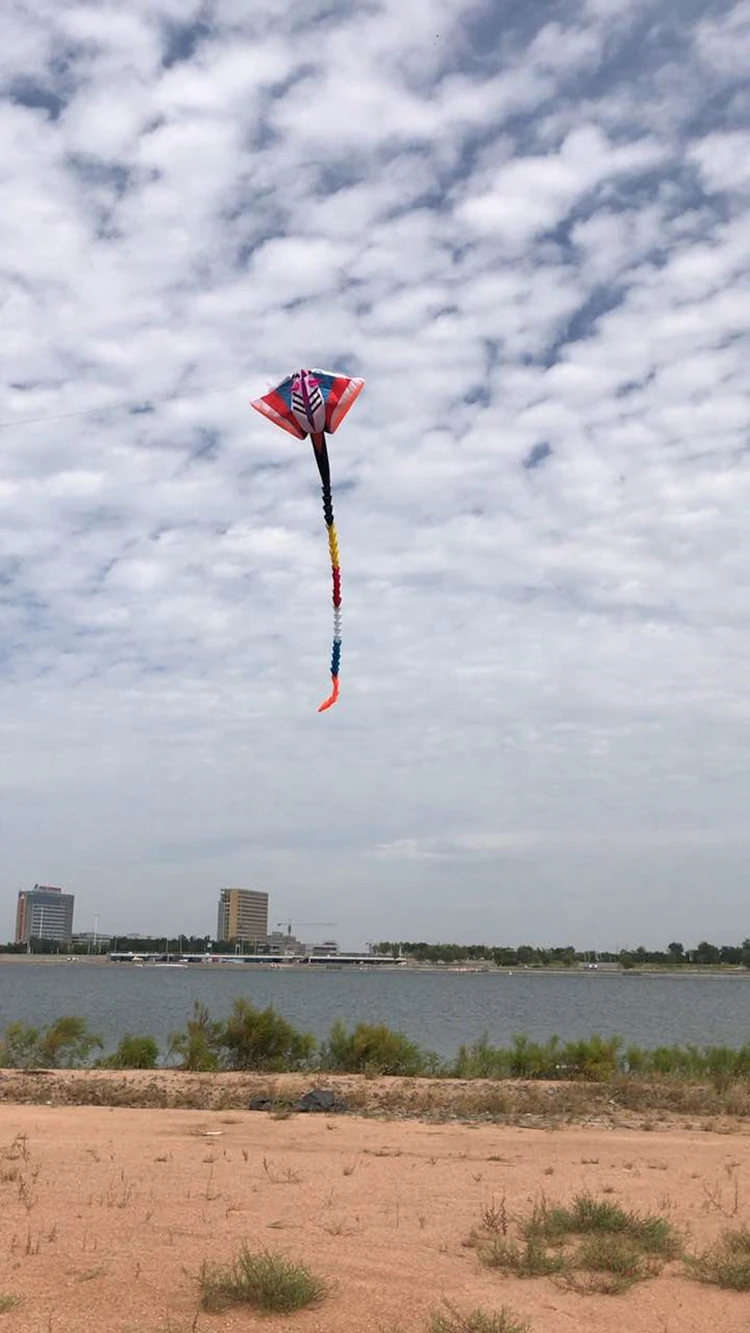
(321, 1099)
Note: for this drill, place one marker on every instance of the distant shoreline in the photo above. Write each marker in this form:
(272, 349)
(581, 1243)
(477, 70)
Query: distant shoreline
(729, 971)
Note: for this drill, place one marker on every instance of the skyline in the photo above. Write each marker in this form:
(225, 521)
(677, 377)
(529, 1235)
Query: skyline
(530, 234)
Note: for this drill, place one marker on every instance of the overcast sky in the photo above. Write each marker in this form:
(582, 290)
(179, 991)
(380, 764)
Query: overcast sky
(527, 225)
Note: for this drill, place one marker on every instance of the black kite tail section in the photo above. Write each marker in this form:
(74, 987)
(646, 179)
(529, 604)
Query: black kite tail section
(321, 458)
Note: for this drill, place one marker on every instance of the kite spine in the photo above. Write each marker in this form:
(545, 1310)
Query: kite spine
(321, 456)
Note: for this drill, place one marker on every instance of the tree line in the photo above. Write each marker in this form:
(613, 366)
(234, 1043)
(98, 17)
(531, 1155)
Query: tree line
(527, 955)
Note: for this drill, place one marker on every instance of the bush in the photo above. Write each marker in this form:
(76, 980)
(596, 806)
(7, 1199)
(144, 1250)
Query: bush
(132, 1053)
(266, 1281)
(726, 1263)
(261, 1039)
(481, 1060)
(198, 1047)
(532, 1059)
(374, 1049)
(596, 1060)
(65, 1044)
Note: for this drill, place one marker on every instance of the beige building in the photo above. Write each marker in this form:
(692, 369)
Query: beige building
(44, 913)
(243, 915)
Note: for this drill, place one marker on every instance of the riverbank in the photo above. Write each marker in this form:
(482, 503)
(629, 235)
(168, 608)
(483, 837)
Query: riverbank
(110, 1216)
(728, 970)
(650, 1105)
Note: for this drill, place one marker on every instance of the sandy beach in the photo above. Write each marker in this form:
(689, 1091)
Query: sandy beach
(108, 1214)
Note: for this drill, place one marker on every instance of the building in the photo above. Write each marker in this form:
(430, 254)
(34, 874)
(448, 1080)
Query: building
(44, 913)
(280, 941)
(93, 939)
(243, 916)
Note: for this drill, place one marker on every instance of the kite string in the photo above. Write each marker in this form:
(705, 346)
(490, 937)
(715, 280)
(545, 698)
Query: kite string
(130, 406)
(333, 548)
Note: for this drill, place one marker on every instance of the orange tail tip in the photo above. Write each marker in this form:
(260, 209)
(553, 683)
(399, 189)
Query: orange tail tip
(330, 701)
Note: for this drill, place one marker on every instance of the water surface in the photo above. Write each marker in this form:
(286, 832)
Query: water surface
(439, 1010)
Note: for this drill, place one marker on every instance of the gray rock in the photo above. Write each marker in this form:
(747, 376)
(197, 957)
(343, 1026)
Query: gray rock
(321, 1099)
(260, 1104)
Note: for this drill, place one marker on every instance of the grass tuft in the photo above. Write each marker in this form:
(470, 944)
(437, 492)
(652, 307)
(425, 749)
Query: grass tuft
(8, 1302)
(531, 1259)
(587, 1216)
(477, 1321)
(725, 1264)
(589, 1244)
(266, 1281)
(612, 1264)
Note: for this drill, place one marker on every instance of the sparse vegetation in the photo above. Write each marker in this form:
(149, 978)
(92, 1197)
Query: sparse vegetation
(588, 1216)
(530, 1258)
(8, 1302)
(610, 1265)
(590, 1244)
(726, 1263)
(477, 1321)
(267, 1281)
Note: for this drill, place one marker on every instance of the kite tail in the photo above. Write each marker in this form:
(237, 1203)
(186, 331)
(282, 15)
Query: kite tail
(321, 455)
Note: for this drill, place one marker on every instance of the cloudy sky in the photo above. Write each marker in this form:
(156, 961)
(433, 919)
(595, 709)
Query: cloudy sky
(527, 225)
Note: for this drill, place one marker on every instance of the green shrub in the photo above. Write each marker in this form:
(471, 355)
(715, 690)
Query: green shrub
(261, 1039)
(533, 1059)
(132, 1053)
(198, 1048)
(596, 1059)
(373, 1048)
(65, 1044)
(726, 1263)
(266, 1281)
(481, 1060)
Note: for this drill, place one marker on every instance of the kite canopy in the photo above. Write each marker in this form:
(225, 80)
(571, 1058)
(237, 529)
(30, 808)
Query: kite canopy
(290, 405)
(315, 402)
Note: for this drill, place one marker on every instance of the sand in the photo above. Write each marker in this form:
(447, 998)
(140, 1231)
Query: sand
(108, 1213)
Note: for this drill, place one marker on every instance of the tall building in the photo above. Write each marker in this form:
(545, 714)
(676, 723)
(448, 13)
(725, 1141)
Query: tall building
(44, 913)
(243, 915)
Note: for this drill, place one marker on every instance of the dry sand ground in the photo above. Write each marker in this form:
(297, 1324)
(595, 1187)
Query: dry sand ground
(106, 1215)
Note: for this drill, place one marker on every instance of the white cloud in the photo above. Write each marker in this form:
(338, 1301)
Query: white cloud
(531, 195)
(724, 160)
(523, 234)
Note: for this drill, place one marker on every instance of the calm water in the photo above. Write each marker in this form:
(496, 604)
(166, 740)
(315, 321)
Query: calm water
(438, 1010)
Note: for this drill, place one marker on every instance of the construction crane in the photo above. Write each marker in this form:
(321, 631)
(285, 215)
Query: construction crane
(288, 923)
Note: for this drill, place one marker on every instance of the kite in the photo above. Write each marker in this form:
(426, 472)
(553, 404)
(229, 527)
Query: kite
(314, 403)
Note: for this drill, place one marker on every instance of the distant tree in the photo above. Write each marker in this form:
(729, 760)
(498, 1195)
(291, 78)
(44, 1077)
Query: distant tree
(706, 953)
(677, 951)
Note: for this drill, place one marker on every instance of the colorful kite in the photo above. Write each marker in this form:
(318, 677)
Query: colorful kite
(313, 402)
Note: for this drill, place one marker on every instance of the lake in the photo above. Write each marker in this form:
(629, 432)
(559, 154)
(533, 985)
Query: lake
(439, 1010)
